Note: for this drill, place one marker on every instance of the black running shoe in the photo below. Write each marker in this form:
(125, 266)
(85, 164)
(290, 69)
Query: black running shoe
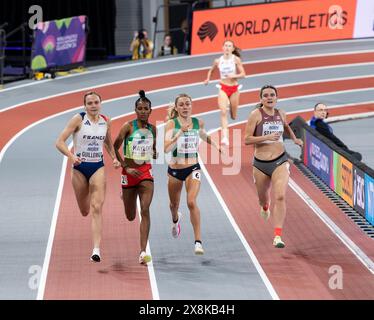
(95, 258)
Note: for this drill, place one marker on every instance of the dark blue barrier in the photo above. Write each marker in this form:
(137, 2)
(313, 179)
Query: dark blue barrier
(351, 179)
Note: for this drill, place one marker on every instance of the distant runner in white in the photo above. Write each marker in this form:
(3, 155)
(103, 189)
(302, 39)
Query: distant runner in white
(231, 69)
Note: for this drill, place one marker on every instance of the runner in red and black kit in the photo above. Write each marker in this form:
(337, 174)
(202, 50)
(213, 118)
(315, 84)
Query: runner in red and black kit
(139, 143)
(264, 130)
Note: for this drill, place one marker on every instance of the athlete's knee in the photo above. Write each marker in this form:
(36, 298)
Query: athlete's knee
(84, 208)
(84, 212)
(144, 210)
(191, 204)
(280, 196)
(223, 112)
(233, 115)
(144, 205)
(173, 206)
(145, 213)
(96, 206)
(130, 215)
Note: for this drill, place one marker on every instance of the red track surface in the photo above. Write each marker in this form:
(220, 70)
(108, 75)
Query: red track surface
(301, 270)
(15, 120)
(119, 276)
(72, 275)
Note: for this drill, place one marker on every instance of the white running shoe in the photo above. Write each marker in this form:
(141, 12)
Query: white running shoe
(225, 141)
(278, 243)
(176, 228)
(95, 257)
(265, 212)
(199, 248)
(144, 258)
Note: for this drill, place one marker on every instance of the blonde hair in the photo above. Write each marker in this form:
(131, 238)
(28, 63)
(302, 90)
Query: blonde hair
(172, 111)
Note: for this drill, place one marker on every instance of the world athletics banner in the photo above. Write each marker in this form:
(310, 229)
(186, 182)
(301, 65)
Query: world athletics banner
(59, 43)
(281, 23)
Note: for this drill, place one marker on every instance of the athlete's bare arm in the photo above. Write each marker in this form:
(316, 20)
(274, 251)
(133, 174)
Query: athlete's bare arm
(239, 65)
(170, 141)
(155, 154)
(215, 65)
(109, 146)
(124, 131)
(289, 130)
(205, 137)
(72, 126)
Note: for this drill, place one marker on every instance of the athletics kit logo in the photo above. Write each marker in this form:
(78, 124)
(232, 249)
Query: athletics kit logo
(207, 29)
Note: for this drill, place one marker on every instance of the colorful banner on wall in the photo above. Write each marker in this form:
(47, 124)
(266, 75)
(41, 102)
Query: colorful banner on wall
(263, 25)
(369, 199)
(359, 190)
(348, 181)
(343, 178)
(319, 159)
(59, 43)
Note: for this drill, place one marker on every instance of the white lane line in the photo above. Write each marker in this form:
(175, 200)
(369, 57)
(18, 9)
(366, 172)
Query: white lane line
(15, 137)
(152, 276)
(52, 230)
(197, 69)
(253, 76)
(136, 64)
(151, 270)
(358, 253)
(129, 65)
(236, 228)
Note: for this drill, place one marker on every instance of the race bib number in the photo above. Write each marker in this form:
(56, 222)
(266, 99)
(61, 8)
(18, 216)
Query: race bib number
(142, 148)
(124, 180)
(196, 175)
(188, 144)
(269, 128)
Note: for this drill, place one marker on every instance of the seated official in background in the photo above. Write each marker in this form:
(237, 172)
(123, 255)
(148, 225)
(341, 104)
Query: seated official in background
(317, 122)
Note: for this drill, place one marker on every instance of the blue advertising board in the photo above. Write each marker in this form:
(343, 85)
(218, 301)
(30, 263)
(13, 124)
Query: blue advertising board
(319, 159)
(359, 190)
(369, 199)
